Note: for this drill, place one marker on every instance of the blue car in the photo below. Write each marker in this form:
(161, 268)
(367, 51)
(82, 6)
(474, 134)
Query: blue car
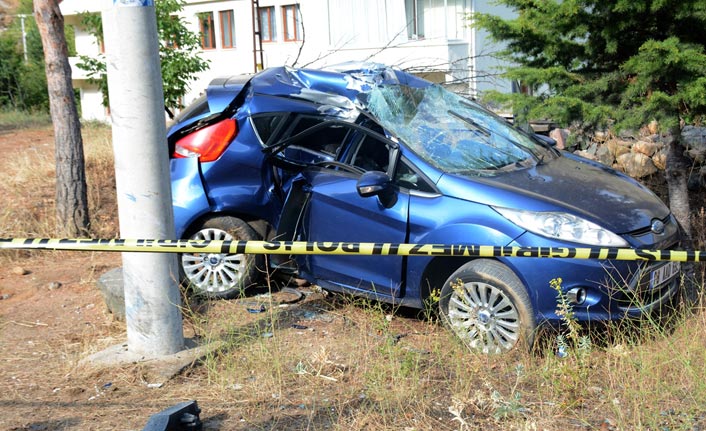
(368, 153)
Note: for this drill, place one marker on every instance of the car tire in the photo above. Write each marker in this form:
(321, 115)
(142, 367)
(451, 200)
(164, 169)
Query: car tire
(220, 275)
(486, 305)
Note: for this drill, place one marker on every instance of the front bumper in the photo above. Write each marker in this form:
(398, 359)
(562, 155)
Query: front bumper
(613, 289)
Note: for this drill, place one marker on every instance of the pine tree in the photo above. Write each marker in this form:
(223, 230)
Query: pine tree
(618, 63)
(71, 190)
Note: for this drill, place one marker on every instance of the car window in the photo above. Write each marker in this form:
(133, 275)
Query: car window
(198, 108)
(371, 154)
(407, 177)
(266, 125)
(326, 139)
(310, 140)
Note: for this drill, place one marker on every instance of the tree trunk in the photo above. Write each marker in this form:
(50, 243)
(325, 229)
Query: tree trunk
(677, 172)
(71, 196)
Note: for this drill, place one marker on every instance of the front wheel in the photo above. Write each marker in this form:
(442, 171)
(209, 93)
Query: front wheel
(487, 307)
(220, 275)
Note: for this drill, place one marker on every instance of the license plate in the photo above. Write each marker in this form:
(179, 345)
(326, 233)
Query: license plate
(664, 273)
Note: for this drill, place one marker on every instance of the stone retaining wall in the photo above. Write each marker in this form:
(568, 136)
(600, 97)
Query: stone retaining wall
(640, 155)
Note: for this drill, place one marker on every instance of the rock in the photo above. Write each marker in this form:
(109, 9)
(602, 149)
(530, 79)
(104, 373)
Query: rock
(695, 181)
(660, 159)
(653, 127)
(604, 156)
(637, 165)
(18, 270)
(657, 139)
(5, 296)
(601, 136)
(54, 285)
(111, 286)
(627, 134)
(697, 154)
(645, 147)
(560, 136)
(692, 135)
(618, 147)
(585, 154)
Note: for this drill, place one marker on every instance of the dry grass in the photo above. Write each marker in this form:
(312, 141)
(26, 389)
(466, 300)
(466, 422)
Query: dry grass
(362, 365)
(29, 195)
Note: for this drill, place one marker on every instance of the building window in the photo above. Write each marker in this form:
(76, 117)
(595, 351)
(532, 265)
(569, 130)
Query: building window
(415, 18)
(208, 32)
(227, 29)
(291, 22)
(267, 24)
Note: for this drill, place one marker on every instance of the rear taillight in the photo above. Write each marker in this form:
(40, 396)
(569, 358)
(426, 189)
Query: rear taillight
(208, 143)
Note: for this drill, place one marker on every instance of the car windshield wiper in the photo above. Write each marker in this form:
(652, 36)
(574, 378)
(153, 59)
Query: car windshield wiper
(476, 127)
(539, 158)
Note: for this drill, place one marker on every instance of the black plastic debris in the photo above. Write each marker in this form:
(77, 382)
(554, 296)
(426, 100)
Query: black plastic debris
(181, 417)
(257, 309)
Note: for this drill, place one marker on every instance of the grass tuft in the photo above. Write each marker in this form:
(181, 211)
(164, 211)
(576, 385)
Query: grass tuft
(11, 119)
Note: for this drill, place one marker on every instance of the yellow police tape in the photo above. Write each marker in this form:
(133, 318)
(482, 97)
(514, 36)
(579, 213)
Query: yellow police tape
(345, 248)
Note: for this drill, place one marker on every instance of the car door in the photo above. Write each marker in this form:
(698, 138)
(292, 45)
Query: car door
(331, 210)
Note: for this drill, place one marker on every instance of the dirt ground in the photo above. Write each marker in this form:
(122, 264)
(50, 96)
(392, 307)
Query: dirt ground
(52, 316)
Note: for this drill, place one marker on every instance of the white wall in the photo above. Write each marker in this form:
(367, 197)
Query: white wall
(484, 49)
(92, 104)
(86, 43)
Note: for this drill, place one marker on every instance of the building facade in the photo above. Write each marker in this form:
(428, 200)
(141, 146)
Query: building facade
(429, 37)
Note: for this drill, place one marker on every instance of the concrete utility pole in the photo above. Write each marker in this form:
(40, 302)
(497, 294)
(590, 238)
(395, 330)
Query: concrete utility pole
(152, 299)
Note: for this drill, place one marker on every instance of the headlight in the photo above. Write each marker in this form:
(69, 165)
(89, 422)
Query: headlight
(563, 226)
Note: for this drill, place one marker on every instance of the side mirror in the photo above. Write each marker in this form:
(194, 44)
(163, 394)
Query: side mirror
(373, 183)
(377, 183)
(546, 139)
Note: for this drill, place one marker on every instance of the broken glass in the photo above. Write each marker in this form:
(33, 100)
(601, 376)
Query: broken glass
(453, 134)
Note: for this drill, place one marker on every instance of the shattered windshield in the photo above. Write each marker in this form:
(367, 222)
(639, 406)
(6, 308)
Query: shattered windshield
(452, 133)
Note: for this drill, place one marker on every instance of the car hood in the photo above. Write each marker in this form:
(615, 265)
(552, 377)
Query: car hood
(568, 183)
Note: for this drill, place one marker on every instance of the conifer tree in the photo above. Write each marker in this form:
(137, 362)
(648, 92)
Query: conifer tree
(71, 189)
(617, 63)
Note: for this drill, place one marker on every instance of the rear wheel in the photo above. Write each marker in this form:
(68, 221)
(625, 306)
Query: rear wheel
(220, 275)
(487, 307)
